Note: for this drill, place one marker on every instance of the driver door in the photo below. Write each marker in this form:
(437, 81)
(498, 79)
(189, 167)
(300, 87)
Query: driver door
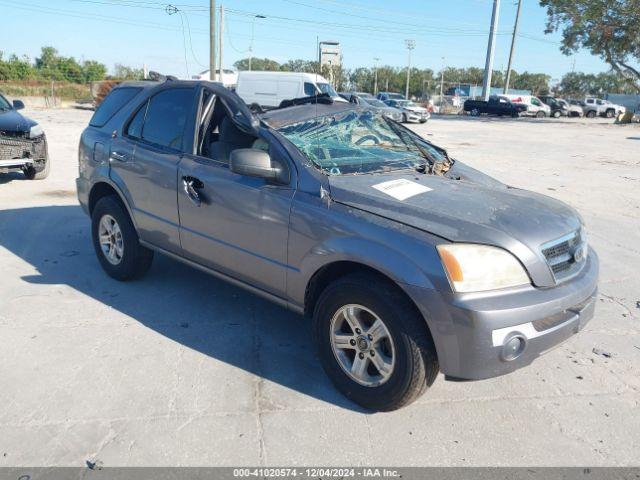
(237, 225)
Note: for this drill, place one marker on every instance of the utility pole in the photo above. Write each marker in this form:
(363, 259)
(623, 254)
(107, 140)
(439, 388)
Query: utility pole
(375, 76)
(212, 40)
(488, 66)
(513, 46)
(220, 30)
(441, 81)
(411, 44)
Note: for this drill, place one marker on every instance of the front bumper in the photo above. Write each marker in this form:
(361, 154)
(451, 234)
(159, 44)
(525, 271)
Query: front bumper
(472, 331)
(417, 117)
(17, 152)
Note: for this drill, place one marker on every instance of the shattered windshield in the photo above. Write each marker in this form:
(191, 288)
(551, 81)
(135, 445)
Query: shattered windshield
(355, 142)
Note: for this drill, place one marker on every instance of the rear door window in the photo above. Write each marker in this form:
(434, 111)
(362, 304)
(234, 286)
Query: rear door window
(167, 116)
(113, 102)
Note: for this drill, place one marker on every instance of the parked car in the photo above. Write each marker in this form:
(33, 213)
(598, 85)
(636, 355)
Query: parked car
(558, 109)
(369, 101)
(604, 108)
(535, 106)
(573, 110)
(408, 261)
(23, 145)
(269, 89)
(385, 96)
(497, 105)
(411, 111)
(229, 77)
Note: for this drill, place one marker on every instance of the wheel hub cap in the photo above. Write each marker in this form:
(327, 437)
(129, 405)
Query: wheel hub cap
(362, 345)
(110, 238)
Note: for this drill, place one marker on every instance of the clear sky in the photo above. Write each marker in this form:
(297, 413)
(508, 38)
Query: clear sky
(137, 32)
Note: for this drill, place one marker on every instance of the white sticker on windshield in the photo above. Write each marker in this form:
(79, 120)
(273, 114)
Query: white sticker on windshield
(401, 189)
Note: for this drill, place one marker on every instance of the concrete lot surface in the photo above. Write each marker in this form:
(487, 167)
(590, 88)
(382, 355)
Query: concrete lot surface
(182, 369)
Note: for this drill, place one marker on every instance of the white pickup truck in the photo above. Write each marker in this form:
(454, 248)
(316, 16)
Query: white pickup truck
(604, 108)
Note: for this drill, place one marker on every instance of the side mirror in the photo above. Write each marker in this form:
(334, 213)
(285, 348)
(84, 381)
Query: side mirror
(254, 162)
(18, 104)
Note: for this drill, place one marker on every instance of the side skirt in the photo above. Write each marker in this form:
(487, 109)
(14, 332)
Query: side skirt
(233, 281)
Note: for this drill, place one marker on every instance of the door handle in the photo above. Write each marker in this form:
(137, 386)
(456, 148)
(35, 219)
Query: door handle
(190, 186)
(121, 157)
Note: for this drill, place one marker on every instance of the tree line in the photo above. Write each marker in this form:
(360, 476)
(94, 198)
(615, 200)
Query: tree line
(50, 65)
(426, 82)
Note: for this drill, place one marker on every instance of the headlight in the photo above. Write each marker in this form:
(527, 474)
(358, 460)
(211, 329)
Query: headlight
(36, 131)
(478, 268)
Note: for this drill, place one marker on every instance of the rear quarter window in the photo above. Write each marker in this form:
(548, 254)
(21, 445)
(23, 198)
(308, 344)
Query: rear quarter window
(113, 102)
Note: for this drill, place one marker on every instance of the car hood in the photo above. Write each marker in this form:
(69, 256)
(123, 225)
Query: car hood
(12, 121)
(474, 209)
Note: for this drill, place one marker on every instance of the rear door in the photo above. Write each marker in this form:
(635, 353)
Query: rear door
(149, 170)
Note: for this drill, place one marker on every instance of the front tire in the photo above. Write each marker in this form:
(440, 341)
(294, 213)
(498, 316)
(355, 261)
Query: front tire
(591, 114)
(610, 113)
(31, 173)
(116, 241)
(556, 114)
(373, 343)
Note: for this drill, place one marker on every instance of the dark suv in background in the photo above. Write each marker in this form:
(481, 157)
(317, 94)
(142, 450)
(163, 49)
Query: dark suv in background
(408, 261)
(23, 145)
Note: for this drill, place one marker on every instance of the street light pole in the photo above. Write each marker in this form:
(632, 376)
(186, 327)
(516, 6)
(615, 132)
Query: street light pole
(375, 76)
(253, 24)
(488, 66)
(410, 44)
(513, 45)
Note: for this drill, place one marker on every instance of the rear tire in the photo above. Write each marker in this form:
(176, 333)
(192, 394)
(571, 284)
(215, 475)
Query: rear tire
(540, 114)
(475, 112)
(116, 241)
(408, 354)
(591, 114)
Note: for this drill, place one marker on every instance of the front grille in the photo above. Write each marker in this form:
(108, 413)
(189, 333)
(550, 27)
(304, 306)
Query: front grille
(18, 147)
(561, 255)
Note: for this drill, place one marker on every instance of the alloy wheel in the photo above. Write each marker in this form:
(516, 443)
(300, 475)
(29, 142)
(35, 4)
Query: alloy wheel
(110, 238)
(362, 345)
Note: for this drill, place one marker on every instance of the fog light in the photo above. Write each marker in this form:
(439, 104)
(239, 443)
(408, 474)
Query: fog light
(513, 347)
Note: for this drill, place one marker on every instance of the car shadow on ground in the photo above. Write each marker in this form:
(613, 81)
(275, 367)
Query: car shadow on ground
(181, 303)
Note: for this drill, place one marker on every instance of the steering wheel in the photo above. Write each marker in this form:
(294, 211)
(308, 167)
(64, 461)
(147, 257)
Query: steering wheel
(366, 138)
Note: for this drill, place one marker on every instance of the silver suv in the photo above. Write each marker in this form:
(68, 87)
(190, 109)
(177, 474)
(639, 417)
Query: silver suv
(408, 262)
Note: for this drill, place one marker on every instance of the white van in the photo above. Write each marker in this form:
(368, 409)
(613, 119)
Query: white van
(268, 89)
(535, 106)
